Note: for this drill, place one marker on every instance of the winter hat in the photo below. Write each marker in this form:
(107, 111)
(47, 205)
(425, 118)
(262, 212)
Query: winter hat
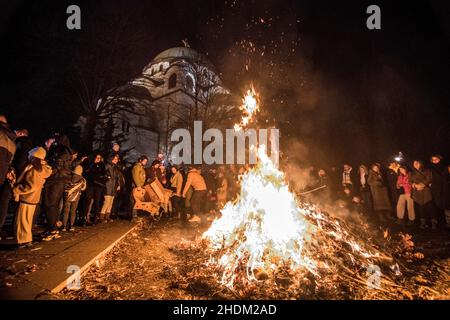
(37, 152)
(78, 170)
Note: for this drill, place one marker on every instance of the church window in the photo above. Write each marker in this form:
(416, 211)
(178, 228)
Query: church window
(172, 81)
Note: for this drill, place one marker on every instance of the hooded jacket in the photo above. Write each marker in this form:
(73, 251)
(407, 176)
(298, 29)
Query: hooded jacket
(7, 150)
(60, 154)
(30, 183)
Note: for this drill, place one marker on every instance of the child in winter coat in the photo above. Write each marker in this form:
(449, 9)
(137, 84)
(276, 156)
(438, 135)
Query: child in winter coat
(72, 193)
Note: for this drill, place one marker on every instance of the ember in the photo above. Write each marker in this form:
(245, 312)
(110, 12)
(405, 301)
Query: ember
(267, 233)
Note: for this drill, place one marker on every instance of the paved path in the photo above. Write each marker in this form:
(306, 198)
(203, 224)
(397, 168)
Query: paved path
(40, 271)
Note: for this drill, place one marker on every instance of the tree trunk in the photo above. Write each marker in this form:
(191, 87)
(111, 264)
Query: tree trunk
(89, 133)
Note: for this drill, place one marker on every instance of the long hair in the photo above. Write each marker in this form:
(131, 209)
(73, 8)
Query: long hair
(36, 163)
(366, 171)
(421, 165)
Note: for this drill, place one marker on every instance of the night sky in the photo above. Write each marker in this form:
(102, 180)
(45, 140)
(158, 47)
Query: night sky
(338, 91)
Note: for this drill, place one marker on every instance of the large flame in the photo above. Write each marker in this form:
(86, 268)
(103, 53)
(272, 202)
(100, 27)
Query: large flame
(266, 227)
(250, 105)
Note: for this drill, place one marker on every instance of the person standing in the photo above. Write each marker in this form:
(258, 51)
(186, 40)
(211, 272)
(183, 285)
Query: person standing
(138, 179)
(420, 180)
(7, 175)
(176, 184)
(112, 187)
(379, 192)
(404, 200)
(198, 199)
(121, 196)
(438, 184)
(60, 159)
(348, 180)
(96, 179)
(364, 190)
(27, 192)
(72, 194)
(391, 178)
(153, 172)
(7, 148)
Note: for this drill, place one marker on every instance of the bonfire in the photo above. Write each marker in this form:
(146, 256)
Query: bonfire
(268, 240)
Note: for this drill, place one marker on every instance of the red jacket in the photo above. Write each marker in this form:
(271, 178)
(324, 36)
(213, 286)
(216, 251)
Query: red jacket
(403, 182)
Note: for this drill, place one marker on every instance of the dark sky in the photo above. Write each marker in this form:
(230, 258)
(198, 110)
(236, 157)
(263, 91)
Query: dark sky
(337, 90)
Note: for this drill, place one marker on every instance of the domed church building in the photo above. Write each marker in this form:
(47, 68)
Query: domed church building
(169, 94)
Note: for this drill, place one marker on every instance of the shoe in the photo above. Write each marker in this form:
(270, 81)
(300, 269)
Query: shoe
(195, 218)
(72, 229)
(399, 221)
(51, 235)
(101, 218)
(25, 245)
(410, 223)
(64, 229)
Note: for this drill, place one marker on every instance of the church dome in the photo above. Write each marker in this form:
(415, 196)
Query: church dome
(180, 52)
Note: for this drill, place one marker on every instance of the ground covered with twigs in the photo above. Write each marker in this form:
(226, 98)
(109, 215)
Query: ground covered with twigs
(168, 260)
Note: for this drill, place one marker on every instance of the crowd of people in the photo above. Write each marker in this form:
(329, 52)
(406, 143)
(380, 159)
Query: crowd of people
(52, 185)
(404, 192)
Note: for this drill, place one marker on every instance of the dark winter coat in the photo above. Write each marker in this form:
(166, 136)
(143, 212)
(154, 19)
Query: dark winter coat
(96, 175)
(113, 179)
(380, 197)
(392, 177)
(438, 184)
(424, 196)
(60, 159)
(60, 155)
(7, 150)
